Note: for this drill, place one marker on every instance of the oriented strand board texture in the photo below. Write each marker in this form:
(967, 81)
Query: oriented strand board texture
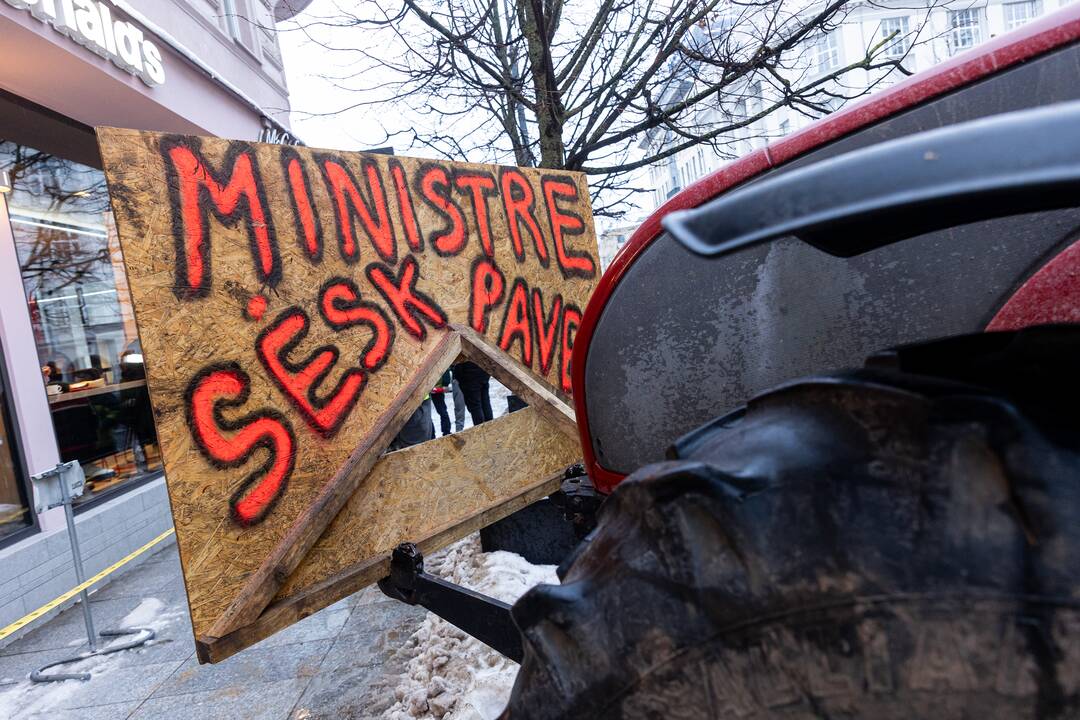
(418, 492)
(284, 296)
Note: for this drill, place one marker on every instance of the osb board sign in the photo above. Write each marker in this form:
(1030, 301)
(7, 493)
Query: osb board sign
(288, 299)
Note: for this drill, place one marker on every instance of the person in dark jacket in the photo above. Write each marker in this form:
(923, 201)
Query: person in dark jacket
(438, 399)
(474, 386)
(417, 429)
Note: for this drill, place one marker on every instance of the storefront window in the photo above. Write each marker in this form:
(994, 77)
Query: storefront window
(15, 514)
(80, 309)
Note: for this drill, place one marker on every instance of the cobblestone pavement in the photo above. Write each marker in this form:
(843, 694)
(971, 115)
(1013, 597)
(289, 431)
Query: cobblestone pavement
(341, 662)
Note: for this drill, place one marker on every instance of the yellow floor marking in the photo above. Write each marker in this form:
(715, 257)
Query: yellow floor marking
(31, 617)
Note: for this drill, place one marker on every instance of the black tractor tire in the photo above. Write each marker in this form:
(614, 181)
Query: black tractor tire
(899, 542)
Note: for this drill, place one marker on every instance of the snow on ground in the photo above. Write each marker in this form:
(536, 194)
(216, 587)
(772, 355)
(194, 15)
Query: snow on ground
(27, 698)
(454, 676)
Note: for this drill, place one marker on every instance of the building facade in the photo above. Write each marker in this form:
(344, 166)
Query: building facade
(919, 35)
(72, 385)
(612, 239)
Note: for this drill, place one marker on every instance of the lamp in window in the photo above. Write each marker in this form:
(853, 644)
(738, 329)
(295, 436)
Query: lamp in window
(131, 363)
(5, 182)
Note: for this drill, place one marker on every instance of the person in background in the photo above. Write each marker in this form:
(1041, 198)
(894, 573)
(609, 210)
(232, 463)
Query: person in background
(417, 429)
(459, 406)
(474, 386)
(438, 399)
(61, 369)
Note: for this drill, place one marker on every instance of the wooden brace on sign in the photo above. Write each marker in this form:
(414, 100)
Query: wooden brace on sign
(522, 456)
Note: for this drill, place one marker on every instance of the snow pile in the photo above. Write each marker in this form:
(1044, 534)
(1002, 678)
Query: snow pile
(454, 676)
(149, 613)
(27, 698)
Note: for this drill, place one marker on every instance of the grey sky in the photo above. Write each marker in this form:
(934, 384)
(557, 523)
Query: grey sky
(312, 96)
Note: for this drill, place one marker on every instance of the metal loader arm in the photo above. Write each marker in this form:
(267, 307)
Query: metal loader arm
(1007, 164)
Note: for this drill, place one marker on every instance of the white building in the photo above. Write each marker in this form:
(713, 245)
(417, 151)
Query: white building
(610, 240)
(923, 36)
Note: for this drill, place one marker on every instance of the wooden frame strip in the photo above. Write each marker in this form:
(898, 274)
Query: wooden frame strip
(263, 584)
(519, 380)
(289, 611)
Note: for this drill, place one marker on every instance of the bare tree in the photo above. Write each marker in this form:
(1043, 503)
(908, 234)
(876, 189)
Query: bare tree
(580, 86)
(52, 254)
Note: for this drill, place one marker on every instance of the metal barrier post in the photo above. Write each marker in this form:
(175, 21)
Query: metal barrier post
(76, 555)
(60, 486)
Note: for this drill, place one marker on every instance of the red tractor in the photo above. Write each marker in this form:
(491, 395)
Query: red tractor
(837, 495)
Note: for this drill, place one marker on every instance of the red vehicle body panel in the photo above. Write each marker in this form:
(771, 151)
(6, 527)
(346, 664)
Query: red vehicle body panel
(1041, 299)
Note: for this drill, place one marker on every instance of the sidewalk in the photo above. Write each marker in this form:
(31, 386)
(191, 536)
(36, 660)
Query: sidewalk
(349, 661)
(338, 663)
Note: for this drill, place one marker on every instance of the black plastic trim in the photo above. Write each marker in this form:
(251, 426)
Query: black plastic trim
(1008, 164)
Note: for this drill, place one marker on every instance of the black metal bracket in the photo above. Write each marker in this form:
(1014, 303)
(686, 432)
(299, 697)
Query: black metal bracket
(485, 618)
(579, 500)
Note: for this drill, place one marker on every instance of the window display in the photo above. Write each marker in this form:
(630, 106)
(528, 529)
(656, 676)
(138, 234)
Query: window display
(80, 310)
